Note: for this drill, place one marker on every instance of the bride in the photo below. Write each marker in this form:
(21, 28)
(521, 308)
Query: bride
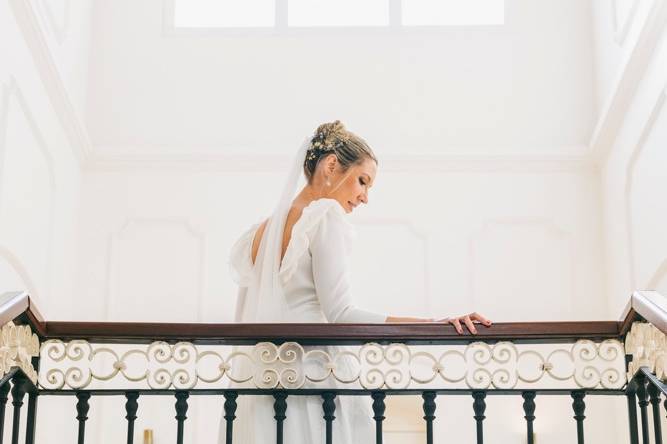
(294, 267)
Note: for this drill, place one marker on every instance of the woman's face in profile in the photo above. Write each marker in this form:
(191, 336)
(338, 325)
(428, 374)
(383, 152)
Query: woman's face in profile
(356, 182)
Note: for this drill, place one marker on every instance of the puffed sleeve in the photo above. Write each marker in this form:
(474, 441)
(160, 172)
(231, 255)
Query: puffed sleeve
(330, 258)
(240, 257)
(240, 268)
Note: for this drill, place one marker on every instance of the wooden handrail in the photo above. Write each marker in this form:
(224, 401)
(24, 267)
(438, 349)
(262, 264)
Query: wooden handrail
(17, 306)
(645, 305)
(129, 332)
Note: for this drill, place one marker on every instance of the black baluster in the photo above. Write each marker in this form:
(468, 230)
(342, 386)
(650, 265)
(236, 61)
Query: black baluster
(578, 405)
(654, 393)
(429, 414)
(529, 410)
(131, 407)
(82, 408)
(279, 407)
(378, 410)
(479, 406)
(632, 414)
(642, 396)
(19, 387)
(329, 407)
(181, 410)
(31, 421)
(4, 391)
(230, 414)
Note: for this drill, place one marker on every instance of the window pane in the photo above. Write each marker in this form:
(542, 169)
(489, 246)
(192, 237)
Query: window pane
(338, 13)
(223, 13)
(452, 12)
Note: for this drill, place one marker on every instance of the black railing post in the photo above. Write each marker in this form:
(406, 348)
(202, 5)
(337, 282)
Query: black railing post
(378, 414)
(31, 420)
(230, 414)
(642, 396)
(429, 414)
(19, 388)
(632, 414)
(529, 411)
(578, 405)
(181, 410)
(479, 406)
(329, 407)
(4, 391)
(131, 407)
(82, 407)
(654, 394)
(279, 407)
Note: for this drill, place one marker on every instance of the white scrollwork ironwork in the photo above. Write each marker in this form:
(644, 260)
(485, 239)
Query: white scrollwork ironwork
(18, 345)
(504, 365)
(648, 347)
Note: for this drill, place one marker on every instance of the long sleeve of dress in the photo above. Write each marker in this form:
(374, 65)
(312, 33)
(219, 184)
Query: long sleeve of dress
(330, 259)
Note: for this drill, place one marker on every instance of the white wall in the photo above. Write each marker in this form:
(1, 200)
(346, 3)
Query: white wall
(524, 87)
(39, 169)
(39, 172)
(634, 177)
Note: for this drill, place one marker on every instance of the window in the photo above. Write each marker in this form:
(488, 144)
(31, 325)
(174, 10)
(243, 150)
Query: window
(224, 13)
(452, 12)
(338, 13)
(335, 13)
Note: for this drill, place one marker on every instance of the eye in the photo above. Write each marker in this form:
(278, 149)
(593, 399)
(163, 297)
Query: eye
(361, 181)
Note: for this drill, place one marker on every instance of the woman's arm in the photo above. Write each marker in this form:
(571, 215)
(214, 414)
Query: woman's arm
(469, 320)
(332, 283)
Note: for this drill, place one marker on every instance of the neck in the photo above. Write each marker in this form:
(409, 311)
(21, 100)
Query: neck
(310, 193)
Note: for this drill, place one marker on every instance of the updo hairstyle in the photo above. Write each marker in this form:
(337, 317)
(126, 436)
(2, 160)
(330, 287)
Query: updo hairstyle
(349, 148)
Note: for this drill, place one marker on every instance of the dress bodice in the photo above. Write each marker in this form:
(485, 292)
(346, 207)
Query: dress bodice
(314, 270)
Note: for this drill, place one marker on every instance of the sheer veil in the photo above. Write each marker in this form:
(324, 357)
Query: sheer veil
(264, 300)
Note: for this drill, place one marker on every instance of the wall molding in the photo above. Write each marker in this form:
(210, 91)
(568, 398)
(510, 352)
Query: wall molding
(28, 23)
(621, 29)
(659, 273)
(272, 163)
(629, 176)
(22, 271)
(548, 225)
(9, 90)
(112, 252)
(632, 69)
(60, 31)
(421, 236)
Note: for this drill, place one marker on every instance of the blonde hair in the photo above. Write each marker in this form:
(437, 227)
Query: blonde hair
(332, 137)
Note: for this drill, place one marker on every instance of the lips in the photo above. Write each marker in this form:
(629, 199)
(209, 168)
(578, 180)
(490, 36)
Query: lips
(351, 204)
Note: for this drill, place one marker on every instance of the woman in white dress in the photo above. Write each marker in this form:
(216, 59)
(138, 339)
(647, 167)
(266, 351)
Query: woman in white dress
(293, 267)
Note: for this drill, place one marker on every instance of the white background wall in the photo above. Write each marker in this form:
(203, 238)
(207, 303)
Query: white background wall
(520, 168)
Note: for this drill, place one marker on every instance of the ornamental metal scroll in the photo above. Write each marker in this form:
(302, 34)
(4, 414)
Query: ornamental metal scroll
(585, 364)
(18, 345)
(647, 347)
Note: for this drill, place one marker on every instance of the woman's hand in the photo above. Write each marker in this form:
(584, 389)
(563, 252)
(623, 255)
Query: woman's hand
(469, 320)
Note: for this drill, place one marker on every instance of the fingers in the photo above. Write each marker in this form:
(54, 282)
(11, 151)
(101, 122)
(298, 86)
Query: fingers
(468, 320)
(478, 317)
(470, 325)
(457, 325)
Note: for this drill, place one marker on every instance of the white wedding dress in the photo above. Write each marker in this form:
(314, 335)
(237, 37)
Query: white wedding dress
(314, 274)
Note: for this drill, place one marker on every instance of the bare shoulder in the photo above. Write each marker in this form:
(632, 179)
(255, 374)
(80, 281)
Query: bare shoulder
(257, 239)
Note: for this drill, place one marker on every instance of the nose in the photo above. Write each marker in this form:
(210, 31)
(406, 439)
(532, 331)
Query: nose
(364, 198)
